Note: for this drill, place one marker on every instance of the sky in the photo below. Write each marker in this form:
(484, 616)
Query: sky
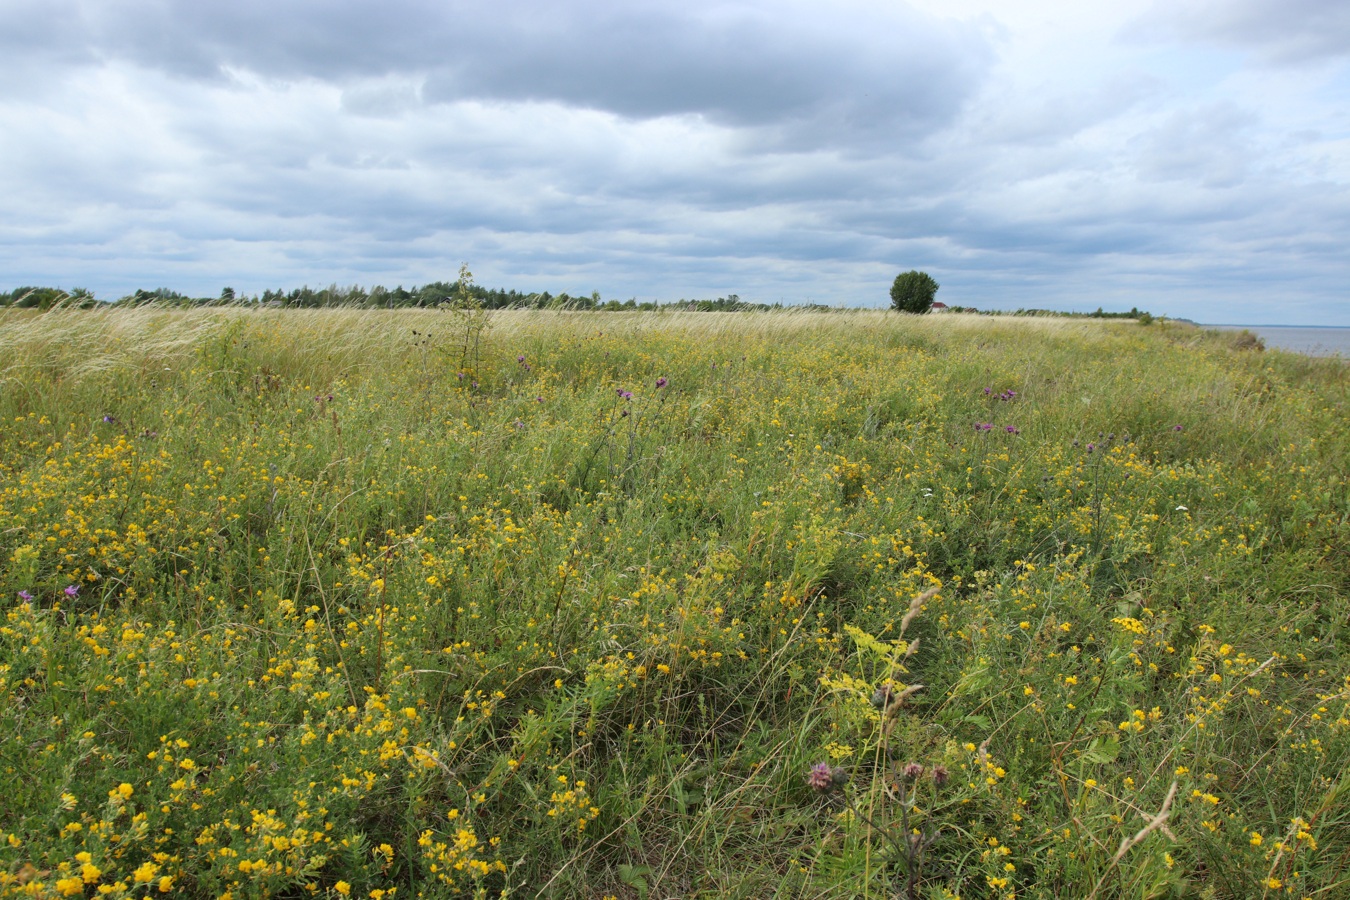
(1188, 157)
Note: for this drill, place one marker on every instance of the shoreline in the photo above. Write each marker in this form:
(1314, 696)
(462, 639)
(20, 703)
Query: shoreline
(1323, 341)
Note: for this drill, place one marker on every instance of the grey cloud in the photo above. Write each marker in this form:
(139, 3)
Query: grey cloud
(382, 99)
(838, 71)
(1205, 146)
(805, 74)
(54, 31)
(1280, 31)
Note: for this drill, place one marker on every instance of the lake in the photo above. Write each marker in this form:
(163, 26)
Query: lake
(1326, 341)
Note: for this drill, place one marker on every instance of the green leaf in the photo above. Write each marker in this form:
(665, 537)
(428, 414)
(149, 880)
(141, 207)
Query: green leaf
(633, 877)
(1102, 750)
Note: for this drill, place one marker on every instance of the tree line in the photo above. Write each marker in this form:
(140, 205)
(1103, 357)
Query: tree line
(442, 293)
(433, 295)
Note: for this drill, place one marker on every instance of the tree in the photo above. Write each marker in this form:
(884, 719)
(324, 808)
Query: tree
(913, 292)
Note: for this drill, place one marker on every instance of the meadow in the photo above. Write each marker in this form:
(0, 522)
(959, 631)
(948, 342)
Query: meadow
(376, 604)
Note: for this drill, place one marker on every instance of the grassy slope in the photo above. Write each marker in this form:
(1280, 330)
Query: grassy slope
(346, 623)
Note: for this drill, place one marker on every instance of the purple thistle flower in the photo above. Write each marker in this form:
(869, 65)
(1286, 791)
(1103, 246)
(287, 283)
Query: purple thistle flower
(660, 383)
(1011, 429)
(1177, 428)
(520, 359)
(625, 395)
(1091, 447)
(987, 391)
(912, 771)
(940, 775)
(538, 399)
(820, 778)
(109, 420)
(25, 596)
(72, 591)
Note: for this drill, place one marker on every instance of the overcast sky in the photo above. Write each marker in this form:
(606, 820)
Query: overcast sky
(1190, 157)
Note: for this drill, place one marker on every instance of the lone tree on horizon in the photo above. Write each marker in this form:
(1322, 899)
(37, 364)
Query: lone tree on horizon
(913, 292)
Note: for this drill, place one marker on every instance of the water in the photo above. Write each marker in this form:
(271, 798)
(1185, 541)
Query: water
(1311, 341)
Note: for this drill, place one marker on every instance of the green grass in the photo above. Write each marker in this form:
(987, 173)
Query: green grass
(357, 603)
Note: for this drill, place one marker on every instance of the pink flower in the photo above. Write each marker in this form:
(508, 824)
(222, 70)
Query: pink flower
(824, 779)
(820, 778)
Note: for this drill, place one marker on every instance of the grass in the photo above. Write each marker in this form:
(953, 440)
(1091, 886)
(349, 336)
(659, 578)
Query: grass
(374, 604)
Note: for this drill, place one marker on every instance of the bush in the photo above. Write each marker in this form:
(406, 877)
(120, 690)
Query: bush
(913, 292)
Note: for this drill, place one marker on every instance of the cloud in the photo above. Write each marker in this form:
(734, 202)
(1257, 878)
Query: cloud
(781, 151)
(1283, 32)
(1207, 146)
(1056, 113)
(382, 98)
(803, 73)
(813, 76)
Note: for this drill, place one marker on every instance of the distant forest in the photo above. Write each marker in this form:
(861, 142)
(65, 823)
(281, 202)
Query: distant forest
(436, 294)
(449, 294)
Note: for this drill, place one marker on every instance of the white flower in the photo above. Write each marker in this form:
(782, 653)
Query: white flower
(1182, 509)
